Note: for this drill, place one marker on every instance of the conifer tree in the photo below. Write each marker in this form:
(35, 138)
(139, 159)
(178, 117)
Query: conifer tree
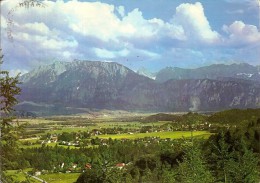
(194, 168)
(8, 130)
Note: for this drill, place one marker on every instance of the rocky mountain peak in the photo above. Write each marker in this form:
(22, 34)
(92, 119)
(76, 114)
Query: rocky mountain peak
(49, 73)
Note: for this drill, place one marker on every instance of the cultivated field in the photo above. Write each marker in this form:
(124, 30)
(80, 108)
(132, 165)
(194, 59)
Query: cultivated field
(162, 135)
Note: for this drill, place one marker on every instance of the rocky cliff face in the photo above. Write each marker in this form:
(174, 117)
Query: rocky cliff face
(84, 84)
(206, 95)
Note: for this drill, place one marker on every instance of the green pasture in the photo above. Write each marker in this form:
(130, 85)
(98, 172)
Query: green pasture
(60, 177)
(19, 176)
(162, 135)
(32, 140)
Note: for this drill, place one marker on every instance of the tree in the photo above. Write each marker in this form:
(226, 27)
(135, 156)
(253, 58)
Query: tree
(232, 160)
(193, 119)
(66, 136)
(90, 176)
(222, 154)
(168, 176)
(193, 168)
(245, 167)
(8, 131)
(102, 168)
(8, 91)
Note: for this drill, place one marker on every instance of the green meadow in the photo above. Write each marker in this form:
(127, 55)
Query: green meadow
(19, 176)
(162, 135)
(60, 177)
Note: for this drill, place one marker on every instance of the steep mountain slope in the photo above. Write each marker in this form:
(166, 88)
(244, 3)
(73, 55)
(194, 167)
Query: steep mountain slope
(102, 85)
(207, 95)
(216, 71)
(80, 84)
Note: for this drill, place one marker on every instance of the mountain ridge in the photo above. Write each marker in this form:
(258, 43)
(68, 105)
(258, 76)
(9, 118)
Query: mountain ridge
(241, 71)
(109, 85)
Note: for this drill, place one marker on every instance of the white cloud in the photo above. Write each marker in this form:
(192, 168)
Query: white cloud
(44, 42)
(57, 29)
(149, 54)
(140, 26)
(175, 32)
(99, 20)
(3, 22)
(36, 28)
(194, 22)
(240, 34)
(104, 53)
(96, 31)
(92, 19)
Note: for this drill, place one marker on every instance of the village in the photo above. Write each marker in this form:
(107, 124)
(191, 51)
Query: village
(101, 135)
(145, 134)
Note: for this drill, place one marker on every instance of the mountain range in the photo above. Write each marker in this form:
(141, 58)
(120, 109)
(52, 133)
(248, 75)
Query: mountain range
(215, 71)
(72, 87)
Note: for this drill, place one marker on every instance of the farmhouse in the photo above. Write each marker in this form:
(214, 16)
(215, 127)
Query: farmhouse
(88, 166)
(120, 165)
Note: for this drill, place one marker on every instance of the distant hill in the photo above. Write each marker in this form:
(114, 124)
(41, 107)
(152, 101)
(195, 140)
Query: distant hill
(72, 86)
(162, 117)
(215, 72)
(227, 117)
(235, 116)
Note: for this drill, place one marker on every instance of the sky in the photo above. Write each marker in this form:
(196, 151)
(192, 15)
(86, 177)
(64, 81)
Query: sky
(151, 34)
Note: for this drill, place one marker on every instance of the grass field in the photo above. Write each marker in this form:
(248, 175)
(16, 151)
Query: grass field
(50, 178)
(18, 176)
(60, 177)
(162, 135)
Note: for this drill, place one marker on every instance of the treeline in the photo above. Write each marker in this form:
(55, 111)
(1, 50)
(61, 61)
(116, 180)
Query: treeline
(235, 116)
